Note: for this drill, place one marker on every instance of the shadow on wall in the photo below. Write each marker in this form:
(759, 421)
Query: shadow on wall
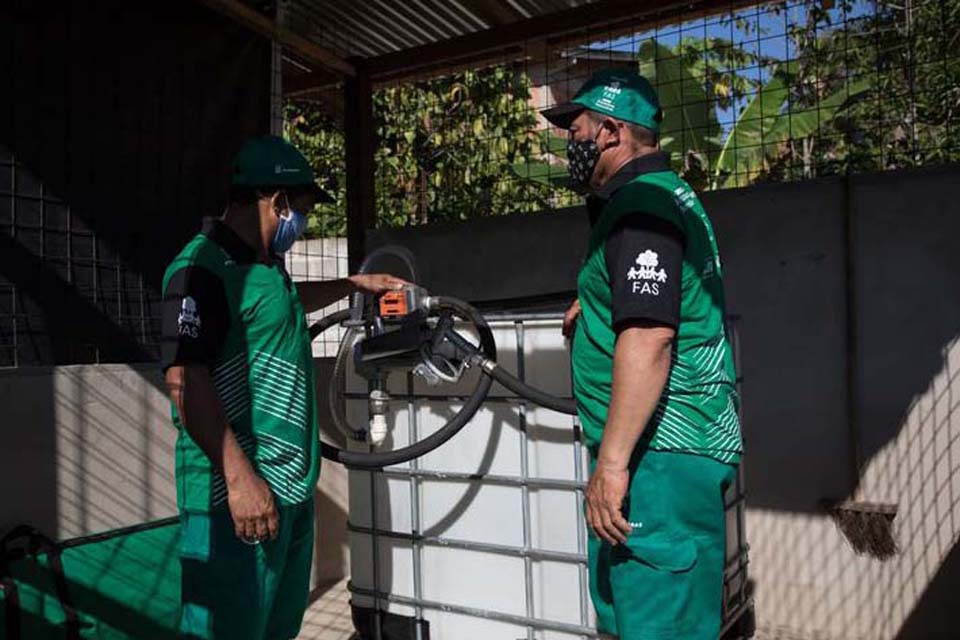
(100, 456)
(788, 282)
(812, 585)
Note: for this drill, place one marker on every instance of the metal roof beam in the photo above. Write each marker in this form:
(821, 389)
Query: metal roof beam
(295, 44)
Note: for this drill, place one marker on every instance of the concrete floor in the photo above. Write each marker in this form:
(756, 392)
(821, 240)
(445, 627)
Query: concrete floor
(328, 618)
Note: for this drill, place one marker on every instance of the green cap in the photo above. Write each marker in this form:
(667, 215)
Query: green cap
(270, 161)
(618, 93)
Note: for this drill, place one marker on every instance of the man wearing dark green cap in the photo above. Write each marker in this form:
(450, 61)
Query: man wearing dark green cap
(653, 372)
(239, 368)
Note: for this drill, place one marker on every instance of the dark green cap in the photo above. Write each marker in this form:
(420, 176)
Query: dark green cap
(270, 161)
(618, 93)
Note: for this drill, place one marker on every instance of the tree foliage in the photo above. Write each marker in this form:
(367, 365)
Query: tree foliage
(860, 90)
(448, 149)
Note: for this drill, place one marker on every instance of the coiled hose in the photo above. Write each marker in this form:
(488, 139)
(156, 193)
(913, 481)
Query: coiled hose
(377, 460)
(491, 370)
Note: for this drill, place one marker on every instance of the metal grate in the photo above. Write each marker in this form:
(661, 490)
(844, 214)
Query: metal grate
(58, 254)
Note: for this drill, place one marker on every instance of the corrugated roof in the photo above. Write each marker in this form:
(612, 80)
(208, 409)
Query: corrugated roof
(351, 28)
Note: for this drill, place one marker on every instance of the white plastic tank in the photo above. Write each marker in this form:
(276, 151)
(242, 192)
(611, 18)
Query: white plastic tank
(498, 555)
(484, 537)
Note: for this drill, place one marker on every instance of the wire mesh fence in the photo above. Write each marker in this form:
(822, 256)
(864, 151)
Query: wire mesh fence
(770, 92)
(86, 278)
(313, 121)
(757, 93)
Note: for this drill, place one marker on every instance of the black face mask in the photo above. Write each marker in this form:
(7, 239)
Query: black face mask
(582, 158)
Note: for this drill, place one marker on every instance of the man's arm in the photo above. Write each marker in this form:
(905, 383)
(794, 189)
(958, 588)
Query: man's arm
(248, 495)
(644, 257)
(641, 365)
(319, 294)
(196, 318)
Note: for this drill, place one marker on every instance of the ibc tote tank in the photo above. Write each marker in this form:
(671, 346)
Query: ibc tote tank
(484, 537)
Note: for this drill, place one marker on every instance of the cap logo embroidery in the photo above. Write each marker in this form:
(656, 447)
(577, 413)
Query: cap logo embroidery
(610, 94)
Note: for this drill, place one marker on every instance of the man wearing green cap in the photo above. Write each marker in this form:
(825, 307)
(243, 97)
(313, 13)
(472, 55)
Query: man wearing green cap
(239, 368)
(653, 372)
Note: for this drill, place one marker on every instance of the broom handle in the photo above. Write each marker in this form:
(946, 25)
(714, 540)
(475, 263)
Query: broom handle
(852, 369)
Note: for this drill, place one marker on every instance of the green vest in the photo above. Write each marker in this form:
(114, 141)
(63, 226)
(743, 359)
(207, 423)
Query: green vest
(698, 411)
(264, 378)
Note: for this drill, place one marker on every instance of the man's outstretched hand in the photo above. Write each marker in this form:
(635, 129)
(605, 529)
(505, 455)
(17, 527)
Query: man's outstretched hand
(377, 283)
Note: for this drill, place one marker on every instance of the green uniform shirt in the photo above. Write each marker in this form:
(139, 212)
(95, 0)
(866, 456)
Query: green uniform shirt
(698, 411)
(247, 319)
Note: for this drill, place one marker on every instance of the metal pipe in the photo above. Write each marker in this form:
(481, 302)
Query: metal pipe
(581, 522)
(510, 481)
(375, 552)
(524, 475)
(355, 395)
(538, 623)
(469, 545)
(506, 316)
(415, 510)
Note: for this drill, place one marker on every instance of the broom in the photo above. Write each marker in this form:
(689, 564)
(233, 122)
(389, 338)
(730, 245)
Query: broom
(867, 526)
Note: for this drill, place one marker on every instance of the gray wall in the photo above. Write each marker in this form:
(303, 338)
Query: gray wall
(89, 447)
(783, 253)
(786, 251)
(86, 448)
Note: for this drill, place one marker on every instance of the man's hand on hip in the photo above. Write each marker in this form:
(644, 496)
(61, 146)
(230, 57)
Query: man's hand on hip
(252, 507)
(604, 498)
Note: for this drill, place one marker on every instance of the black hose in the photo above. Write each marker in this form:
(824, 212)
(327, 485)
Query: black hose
(326, 322)
(497, 372)
(524, 390)
(378, 460)
(491, 371)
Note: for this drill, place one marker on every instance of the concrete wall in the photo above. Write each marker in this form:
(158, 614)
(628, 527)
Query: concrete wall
(87, 448)
(785, 278)
(785, 253)
(91, 448)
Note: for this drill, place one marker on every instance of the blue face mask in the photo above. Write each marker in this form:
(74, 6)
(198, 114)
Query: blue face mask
(291, 228)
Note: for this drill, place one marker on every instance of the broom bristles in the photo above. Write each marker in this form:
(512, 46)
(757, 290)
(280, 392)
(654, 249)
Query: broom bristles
(868, 527)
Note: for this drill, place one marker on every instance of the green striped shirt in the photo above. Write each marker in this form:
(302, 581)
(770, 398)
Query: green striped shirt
(698, 410)
(264, 378)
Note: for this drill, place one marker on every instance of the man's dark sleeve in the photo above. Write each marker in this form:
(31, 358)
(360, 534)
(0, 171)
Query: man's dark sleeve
(195, 318)
(644, 256)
